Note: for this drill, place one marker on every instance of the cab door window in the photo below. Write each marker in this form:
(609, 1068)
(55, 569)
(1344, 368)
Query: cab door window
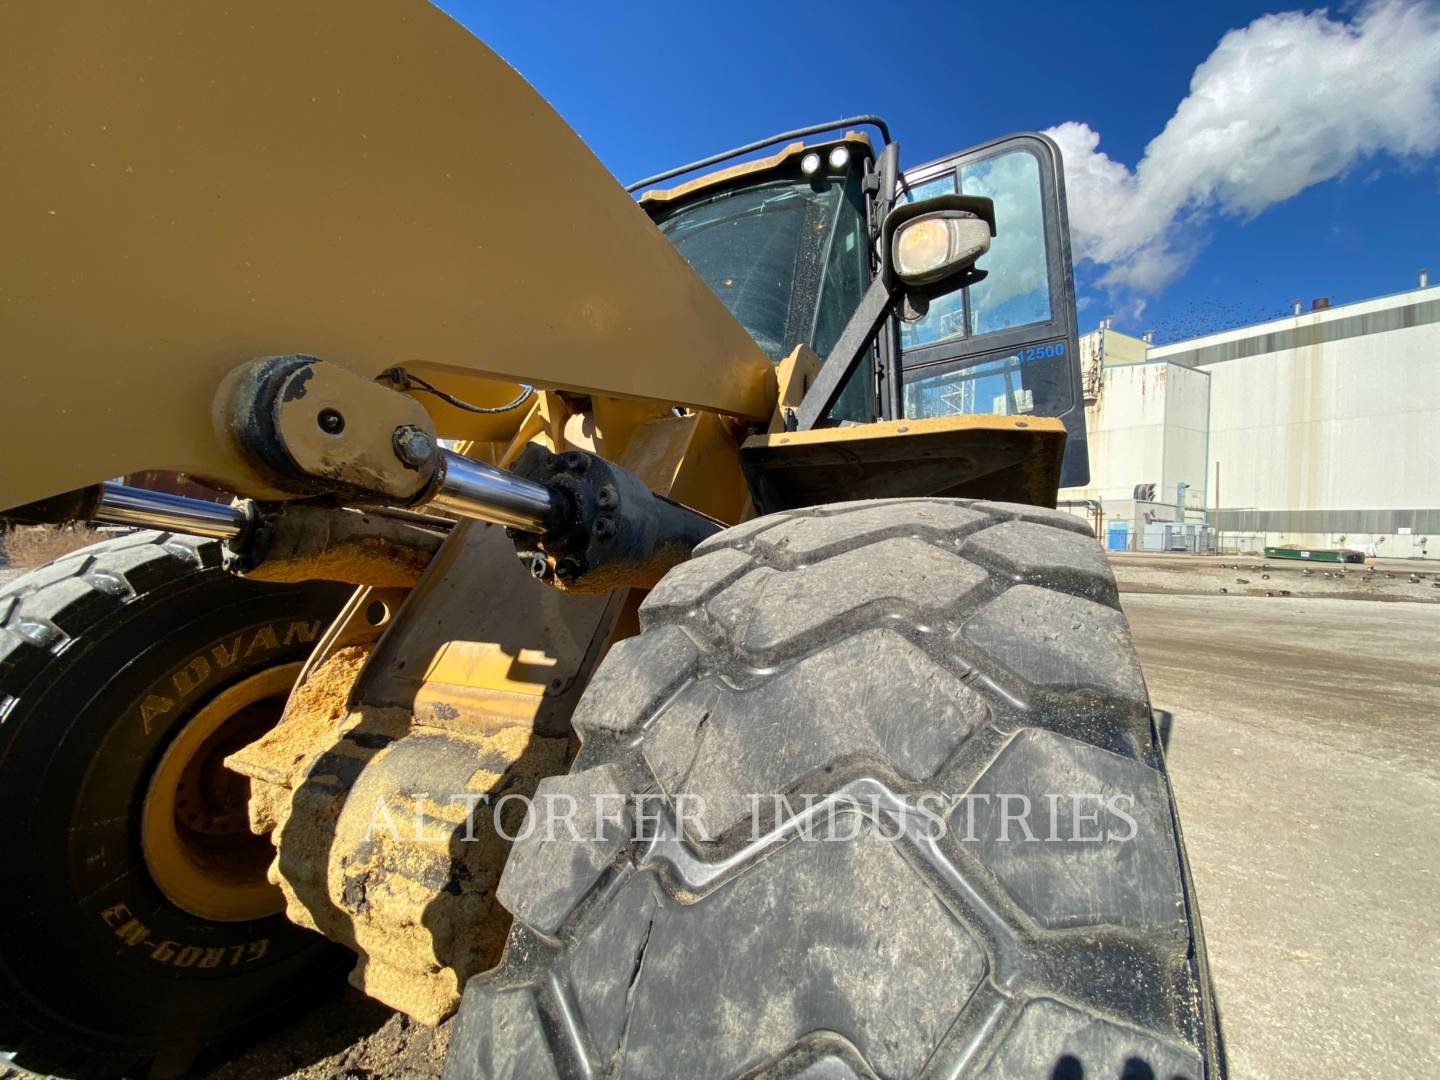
(1006, 344)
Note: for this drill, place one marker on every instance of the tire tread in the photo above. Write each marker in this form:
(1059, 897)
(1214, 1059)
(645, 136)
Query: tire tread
(996, 632)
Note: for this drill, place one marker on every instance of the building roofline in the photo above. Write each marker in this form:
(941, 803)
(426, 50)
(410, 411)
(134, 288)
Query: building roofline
(1287, 321)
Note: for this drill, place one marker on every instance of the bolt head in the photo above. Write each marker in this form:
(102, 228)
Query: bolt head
(413, 446)
(604, 528)
(607, 497)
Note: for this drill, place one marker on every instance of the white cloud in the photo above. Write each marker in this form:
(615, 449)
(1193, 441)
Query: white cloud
(1289, 101)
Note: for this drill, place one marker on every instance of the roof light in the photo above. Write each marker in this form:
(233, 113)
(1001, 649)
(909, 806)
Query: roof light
(839, 157)
(810, 163)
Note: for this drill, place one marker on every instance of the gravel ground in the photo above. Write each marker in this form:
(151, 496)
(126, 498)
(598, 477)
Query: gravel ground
(348, 1036)
(1412, 580)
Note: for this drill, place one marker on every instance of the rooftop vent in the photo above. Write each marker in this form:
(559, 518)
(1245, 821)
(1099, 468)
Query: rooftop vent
(1424, 276)
(1320, 303)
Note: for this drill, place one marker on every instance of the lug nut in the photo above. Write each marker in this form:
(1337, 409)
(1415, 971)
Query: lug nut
(413, 446)
(607, 497)
(574, 461)
(604, 528)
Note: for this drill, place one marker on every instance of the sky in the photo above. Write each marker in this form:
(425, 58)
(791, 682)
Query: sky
(1222, 159)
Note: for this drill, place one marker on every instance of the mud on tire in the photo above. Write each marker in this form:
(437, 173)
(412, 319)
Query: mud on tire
(104, 655)
(867, 656)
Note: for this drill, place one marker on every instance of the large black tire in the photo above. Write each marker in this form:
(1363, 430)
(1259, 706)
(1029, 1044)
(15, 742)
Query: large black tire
(104, 654)
(871, 655)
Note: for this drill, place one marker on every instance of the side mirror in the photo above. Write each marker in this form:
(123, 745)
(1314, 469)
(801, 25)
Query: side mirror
(933, 244)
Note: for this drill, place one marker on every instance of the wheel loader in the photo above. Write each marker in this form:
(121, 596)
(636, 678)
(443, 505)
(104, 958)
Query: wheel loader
(642, 635)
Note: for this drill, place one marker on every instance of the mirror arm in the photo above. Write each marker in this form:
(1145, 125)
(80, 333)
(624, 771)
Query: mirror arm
(855, 341)
(887, 174)
(892, 356)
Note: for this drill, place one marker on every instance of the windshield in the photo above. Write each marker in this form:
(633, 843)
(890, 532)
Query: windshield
(762, 250)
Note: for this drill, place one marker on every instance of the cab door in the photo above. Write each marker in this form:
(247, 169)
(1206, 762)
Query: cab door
(1008, 343)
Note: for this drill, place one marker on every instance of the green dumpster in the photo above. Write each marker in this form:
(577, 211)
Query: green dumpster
(1342, 555)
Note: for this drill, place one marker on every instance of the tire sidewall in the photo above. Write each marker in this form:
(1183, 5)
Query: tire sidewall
(87, 939)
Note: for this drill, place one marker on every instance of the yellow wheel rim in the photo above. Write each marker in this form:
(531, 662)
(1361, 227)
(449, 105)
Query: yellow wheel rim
(194, 827)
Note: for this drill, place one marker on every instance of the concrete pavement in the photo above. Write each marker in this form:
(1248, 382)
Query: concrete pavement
(1303, 751)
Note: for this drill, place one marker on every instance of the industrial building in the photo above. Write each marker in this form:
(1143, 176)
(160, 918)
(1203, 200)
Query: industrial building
(1312, 430)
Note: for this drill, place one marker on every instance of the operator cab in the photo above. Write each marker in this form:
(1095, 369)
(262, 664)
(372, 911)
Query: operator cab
(789, 243)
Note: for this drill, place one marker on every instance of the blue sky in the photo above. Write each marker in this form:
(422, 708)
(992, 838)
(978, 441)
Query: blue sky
(1206, 242)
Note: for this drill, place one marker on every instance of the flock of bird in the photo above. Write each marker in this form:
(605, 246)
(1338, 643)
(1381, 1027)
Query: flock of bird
(1370, 573)
(1211, 316)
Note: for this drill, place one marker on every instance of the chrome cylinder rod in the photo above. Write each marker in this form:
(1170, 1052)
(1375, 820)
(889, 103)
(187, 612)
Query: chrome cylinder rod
(473, 489)
(122, 505)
